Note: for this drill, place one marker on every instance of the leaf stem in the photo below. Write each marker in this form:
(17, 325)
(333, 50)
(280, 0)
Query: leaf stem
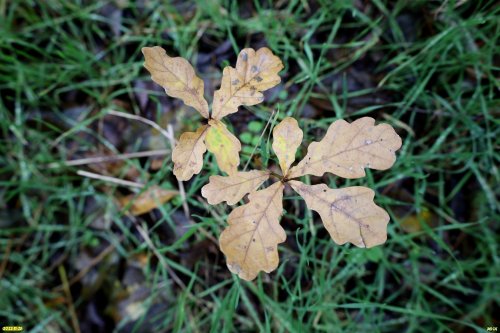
(260, 139)
(277, 175)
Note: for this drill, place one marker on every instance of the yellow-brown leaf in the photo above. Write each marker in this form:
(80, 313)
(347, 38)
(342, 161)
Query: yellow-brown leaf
(250, 243)
(177, 77)
(255, 72)
(224, 145)
(287, 137)
(188, 153)
(347, 149)
(148, 200)
(233, 188)
(414, 222)
(349, 214)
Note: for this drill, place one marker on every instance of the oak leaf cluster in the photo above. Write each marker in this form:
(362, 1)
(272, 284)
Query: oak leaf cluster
(250, 242)
(255, 72)
(349, 214)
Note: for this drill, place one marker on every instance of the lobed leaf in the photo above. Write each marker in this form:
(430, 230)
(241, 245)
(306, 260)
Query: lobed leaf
(177, 77)
(347, 149)
(224, 145)
(287, 137)
(233, 188)
(148, 200)
(349, 214)
(188, 153)
(250, 242)
(255, 72)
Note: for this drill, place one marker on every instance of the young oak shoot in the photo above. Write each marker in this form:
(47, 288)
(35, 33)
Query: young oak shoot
(349, 214)
(255, 72)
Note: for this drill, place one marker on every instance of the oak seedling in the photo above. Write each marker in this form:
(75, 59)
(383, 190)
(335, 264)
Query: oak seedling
(254, 232)
(349, 214)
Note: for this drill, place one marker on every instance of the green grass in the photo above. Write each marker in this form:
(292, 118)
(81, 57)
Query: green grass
(428, 68)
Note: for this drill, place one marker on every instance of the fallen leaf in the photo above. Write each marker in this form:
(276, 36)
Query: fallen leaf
(146, 201)
(349, 214)
(250, 242)
(287, 137)
(224, 145)
(188, 153)
(233, 188)
(347, 149)
(255, 72)
(413, 222)
(177, 77)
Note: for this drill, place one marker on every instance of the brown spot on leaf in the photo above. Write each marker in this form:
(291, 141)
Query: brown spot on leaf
(343, 150)
(261, 63)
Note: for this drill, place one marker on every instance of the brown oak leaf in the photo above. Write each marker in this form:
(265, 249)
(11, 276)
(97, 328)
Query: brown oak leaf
(347, 149)
(255, 72)
(177, 77)
(349, 214)
(233, 188)
(250, 242)
(188, 153)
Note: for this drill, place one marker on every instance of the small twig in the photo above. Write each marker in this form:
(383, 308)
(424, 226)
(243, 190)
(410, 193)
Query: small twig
(260, 139)
(110, 248)
(277, 175)
(182, 191)
(144, 233)
(150, 244)
(109, 179)
(166, 134)
(64, 280)
(169, 134)
(104, 159)
(444, 4)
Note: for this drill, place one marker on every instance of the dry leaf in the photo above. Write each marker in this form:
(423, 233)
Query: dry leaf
(188, 153)
(148, 200)
(250, 242)
(414, 222)
(287, 137)
(177, 77)
(255, 72)
(233, 188)
(224, 145)
(349, 214)
(243, 85)
(347, 149)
